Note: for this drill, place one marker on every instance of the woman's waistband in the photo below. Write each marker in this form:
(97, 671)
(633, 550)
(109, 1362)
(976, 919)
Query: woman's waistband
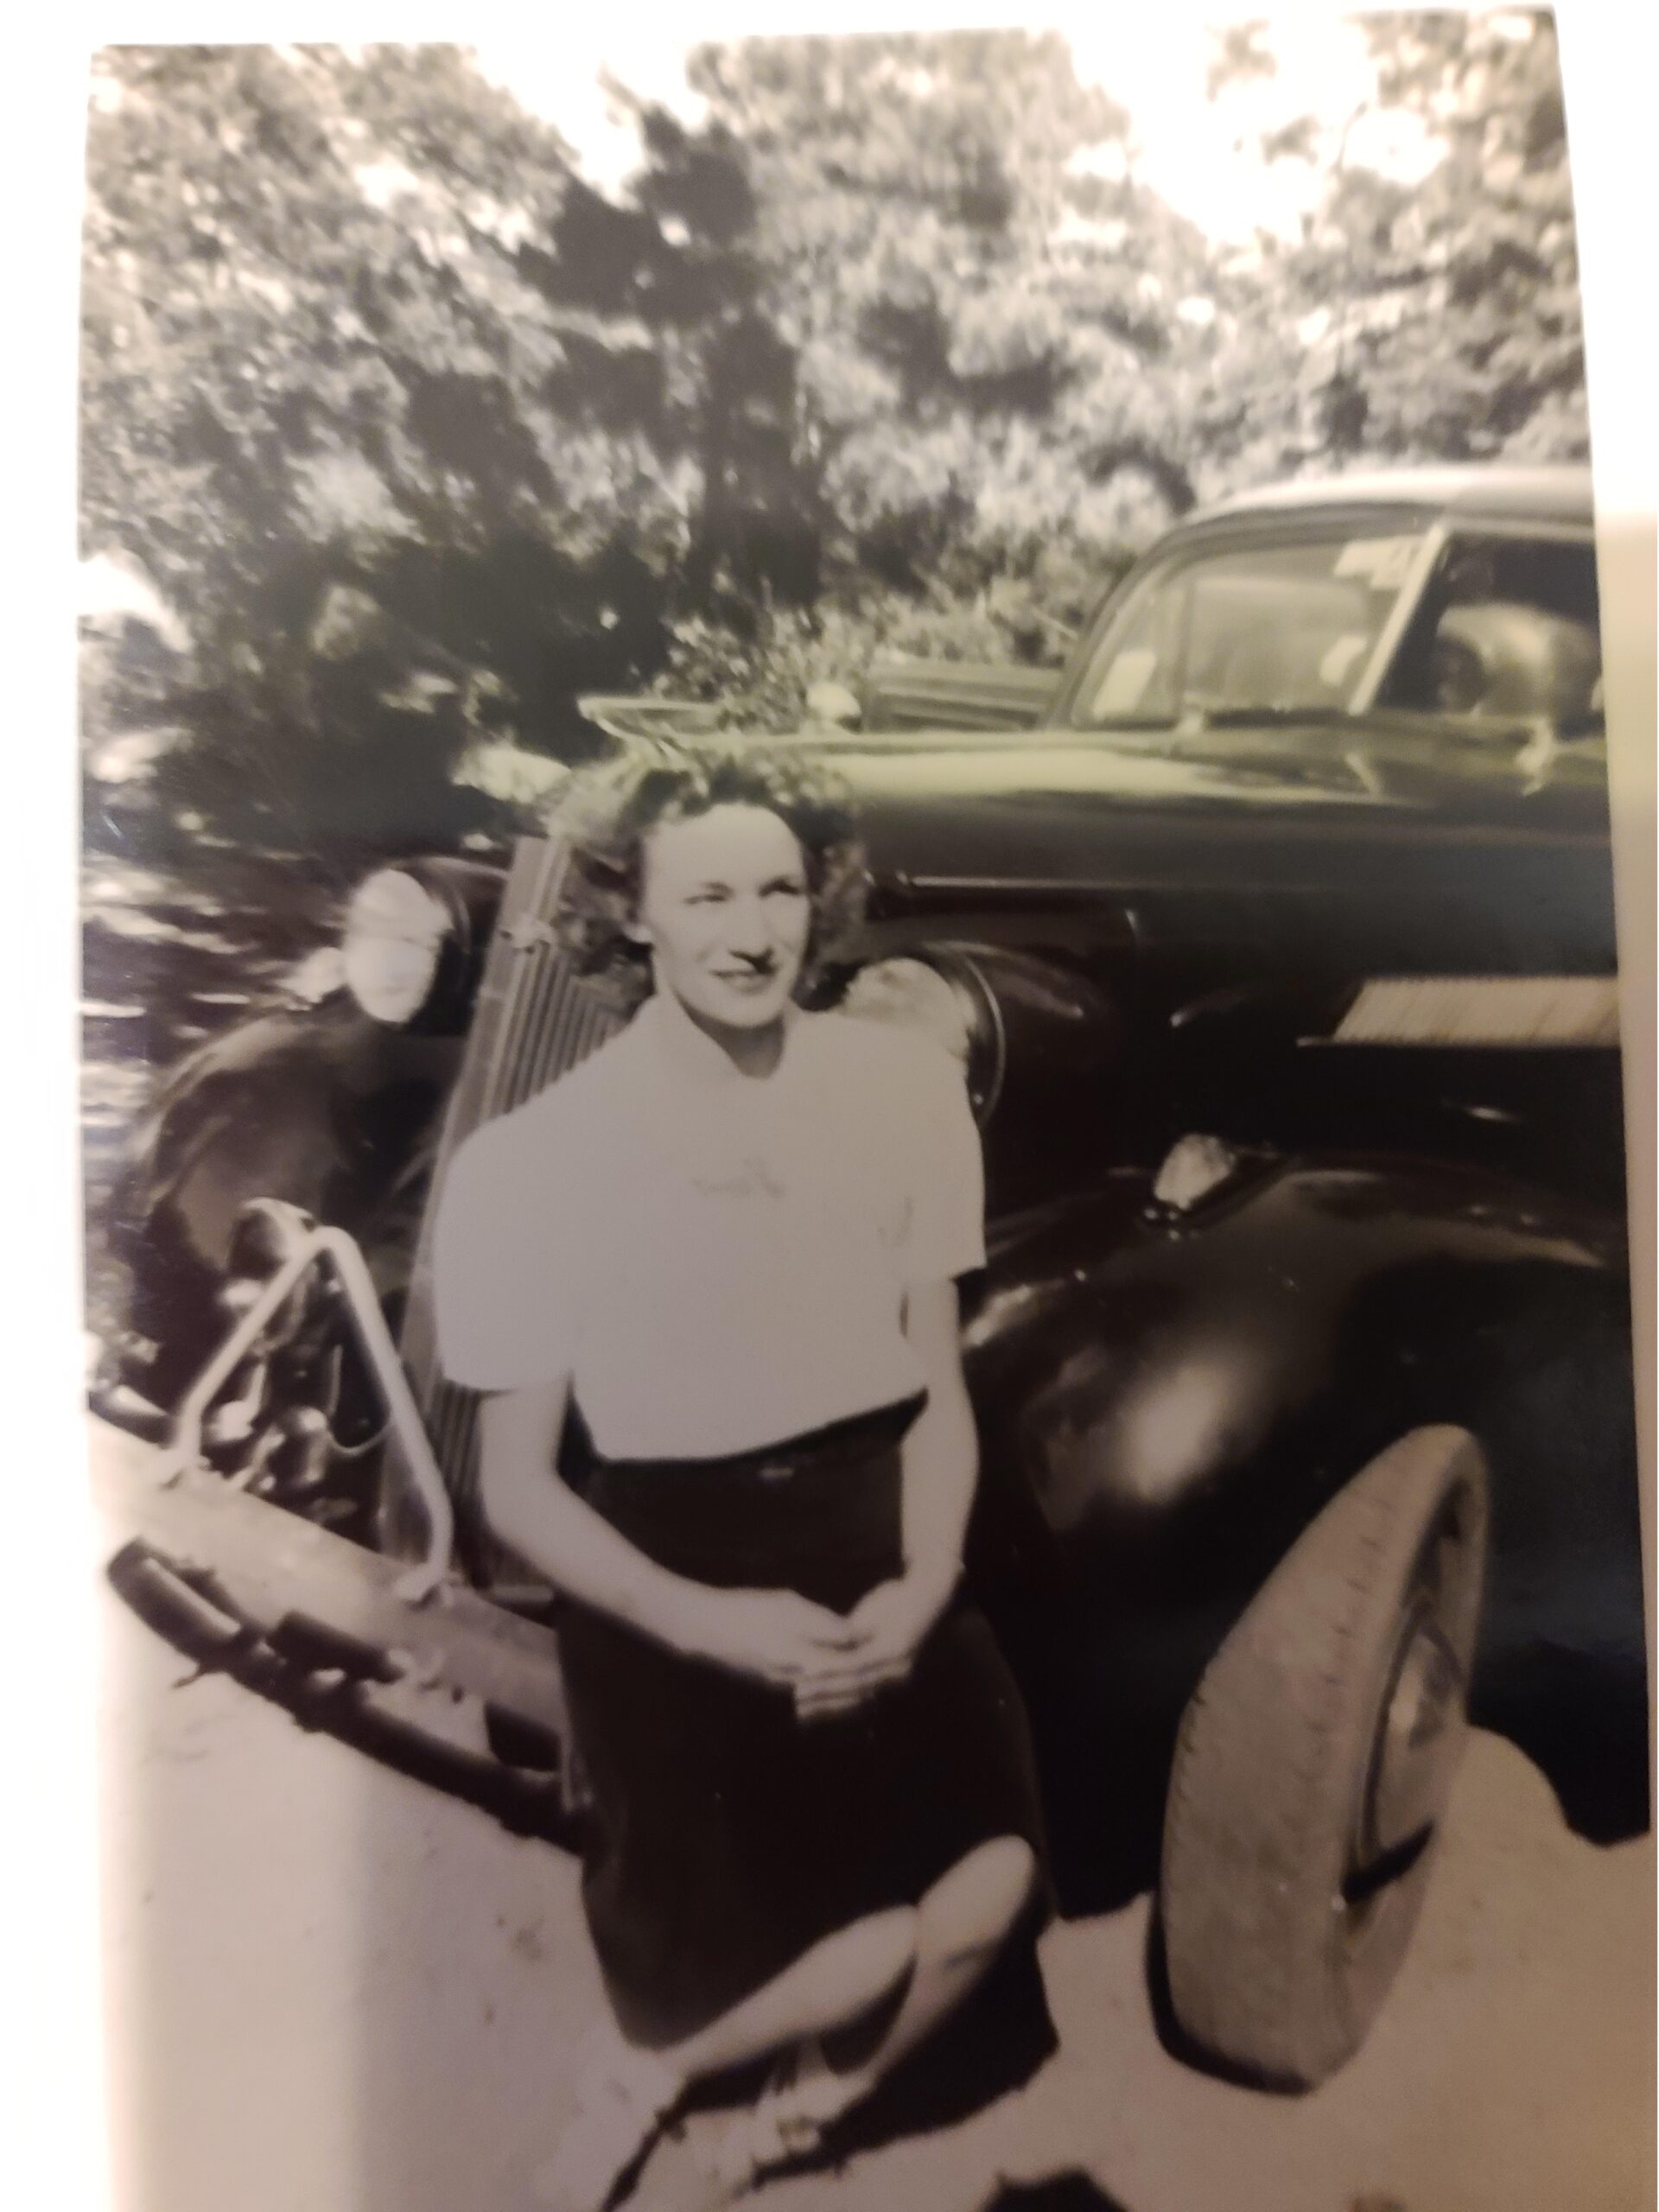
(860, 1436)
(820, 1513)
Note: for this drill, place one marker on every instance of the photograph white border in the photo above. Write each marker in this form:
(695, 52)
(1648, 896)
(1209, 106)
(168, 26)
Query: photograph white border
(51, 2140)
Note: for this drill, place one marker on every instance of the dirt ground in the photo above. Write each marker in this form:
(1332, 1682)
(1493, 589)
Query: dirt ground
(333, 1989)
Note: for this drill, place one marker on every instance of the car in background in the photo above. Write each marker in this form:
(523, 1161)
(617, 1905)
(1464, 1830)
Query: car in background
(1275, 938)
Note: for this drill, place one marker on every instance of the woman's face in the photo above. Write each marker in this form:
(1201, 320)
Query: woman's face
(726, 910)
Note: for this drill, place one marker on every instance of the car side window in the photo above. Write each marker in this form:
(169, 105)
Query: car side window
(1509, 630)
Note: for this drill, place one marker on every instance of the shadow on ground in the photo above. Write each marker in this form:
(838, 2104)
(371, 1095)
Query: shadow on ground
(1067, 2192)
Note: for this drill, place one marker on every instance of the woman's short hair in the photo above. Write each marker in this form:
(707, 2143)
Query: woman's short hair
(605, 812)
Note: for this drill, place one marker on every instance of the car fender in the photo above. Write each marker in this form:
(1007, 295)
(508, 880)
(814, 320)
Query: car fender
(1165, 1404)
(319, 1108)
(1138, 1370)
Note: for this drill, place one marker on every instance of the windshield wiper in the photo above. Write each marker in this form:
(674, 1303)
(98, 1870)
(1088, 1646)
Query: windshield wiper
(1271, 717)
(1104, 726)
(1194, 721)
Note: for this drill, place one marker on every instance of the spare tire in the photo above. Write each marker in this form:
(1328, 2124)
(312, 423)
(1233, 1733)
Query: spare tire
(1313, 1766)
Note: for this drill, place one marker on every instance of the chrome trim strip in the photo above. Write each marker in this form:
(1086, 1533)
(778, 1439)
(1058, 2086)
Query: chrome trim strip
(1534, 1011)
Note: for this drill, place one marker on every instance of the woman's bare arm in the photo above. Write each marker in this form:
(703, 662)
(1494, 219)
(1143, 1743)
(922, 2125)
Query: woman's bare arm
(940, 1465)
(536, 1514)
(773, 1634)
(941, 1452)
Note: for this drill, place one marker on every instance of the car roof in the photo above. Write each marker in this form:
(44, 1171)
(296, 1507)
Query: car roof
(1542, 494)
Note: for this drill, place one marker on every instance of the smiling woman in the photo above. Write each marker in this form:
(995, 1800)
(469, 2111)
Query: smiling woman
(729, 1241)
(611, 812)
(724, 916)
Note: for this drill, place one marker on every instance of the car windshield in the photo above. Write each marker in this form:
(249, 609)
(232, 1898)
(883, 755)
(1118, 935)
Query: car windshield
(1273, 628)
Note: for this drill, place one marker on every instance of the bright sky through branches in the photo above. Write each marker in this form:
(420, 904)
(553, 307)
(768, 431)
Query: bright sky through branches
(1200, 156)
(559, 77)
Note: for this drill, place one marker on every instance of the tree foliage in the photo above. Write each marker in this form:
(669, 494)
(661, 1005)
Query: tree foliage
(1440, 319)
(326, 411)
(422, 435)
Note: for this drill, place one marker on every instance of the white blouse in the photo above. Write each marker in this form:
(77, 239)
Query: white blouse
(716, 1261)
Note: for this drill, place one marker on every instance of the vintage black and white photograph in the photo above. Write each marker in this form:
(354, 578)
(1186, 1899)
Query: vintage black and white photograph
(859, 1322)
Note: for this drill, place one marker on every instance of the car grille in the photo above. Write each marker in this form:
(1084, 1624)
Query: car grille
(533, 1021)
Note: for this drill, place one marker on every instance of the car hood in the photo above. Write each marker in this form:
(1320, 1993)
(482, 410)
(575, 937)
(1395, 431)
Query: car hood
(1402, 810)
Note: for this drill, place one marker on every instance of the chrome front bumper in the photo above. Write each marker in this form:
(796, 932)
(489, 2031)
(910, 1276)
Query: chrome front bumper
(324, 1628)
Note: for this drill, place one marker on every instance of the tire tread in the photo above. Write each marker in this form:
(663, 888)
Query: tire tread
(1262, 1788)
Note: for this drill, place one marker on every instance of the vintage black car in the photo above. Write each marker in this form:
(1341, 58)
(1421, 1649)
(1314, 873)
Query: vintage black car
(1275, 938)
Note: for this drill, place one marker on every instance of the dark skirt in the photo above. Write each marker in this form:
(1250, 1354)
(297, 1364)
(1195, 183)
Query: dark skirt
(727, 1837)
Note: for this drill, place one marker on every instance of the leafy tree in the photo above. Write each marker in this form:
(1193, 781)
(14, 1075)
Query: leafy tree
(422, 436)
(664, 316)
(974, 310)
(419, 435)
(1440, 319)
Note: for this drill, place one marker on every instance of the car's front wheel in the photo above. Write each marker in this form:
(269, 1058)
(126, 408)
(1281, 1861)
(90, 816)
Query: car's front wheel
(1314, 1765)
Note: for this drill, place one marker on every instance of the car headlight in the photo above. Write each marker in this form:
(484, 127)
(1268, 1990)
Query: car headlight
(392, 945)
(944, 997)
(412, 946)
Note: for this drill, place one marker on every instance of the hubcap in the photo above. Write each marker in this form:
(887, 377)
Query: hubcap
(1418, 1737)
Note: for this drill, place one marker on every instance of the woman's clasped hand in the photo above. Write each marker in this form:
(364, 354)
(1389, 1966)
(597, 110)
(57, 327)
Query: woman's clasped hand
(828, 1662)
